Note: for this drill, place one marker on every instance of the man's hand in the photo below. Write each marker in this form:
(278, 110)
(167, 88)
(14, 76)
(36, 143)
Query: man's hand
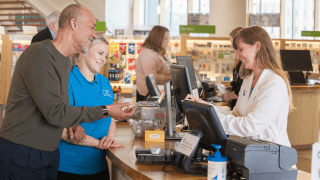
(115, 111)
(76, 134)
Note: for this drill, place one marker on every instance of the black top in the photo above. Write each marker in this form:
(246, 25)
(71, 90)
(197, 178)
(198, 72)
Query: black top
(236, 83)
(42, 35)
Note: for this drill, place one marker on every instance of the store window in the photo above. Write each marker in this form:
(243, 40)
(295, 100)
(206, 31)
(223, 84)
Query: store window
(176, 15)
(268, 6)
(150, 9)
(201, 6)
(300, 17)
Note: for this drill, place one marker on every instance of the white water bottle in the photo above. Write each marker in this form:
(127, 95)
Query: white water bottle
(217, 165)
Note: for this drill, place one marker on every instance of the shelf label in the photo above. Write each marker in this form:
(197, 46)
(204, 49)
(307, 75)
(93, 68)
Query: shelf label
(20, 37)
(211, 29)
(310, 33)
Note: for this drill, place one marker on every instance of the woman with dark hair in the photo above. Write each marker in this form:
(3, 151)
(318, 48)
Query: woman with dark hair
(265, 97)
(236, 81)
(153, 60)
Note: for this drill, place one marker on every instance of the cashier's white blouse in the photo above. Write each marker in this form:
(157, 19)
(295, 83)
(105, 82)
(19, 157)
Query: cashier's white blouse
(261, 115)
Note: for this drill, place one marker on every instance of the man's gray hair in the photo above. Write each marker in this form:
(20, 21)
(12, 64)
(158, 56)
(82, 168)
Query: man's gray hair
(52, 18)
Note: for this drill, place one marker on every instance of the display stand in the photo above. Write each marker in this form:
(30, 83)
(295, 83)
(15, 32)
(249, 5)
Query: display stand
(183, 162)
(171, 121)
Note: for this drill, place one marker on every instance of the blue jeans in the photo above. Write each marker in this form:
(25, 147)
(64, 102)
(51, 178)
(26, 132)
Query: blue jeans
(20, 162)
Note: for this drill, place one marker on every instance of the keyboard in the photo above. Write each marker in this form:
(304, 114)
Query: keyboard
(297, 78)
(214, 98)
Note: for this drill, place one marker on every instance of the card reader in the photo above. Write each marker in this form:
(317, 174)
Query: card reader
(155, 155)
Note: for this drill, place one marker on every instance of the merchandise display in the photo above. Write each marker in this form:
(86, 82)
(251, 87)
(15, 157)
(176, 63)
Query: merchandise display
(313, 46)
(213, 57)
(12, 46)
(123, 54)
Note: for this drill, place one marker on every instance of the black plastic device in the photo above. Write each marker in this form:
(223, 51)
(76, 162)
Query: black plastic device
(204, 123)
(155, 155)
(180, 83)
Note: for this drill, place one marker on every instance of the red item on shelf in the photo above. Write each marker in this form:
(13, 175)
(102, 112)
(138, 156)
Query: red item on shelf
(131, 64)
(122, 48)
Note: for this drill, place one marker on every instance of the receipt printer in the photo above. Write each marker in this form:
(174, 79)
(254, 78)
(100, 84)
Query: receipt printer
(260, 160)
(210, 88)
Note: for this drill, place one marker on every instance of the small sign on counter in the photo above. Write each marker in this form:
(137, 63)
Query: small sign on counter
(154, 136)
(187, 144)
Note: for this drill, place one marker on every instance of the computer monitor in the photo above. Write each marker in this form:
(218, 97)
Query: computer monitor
(153, 89)
(296, 60)
(180, 83)
(204, 117)
(187, 61)
(204, 123)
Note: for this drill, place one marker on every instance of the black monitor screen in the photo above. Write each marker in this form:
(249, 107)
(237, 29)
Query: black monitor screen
(180, 83)
(152, 86)
(187, 61)
(203, 117)
(296, 60)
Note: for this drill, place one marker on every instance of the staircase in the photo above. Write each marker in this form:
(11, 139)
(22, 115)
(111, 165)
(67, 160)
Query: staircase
(16, 13)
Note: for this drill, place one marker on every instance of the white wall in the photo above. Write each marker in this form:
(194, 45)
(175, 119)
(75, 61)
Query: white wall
(227, 15)
(120, 14)
(46, 7)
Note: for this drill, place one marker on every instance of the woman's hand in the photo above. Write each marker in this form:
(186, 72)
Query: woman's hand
(229, 96)
(196, 99)
(225, 97)
(108, 141)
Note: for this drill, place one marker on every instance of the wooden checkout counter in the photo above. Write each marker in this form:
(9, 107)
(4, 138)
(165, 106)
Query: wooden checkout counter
(123, 162)
(303, 122)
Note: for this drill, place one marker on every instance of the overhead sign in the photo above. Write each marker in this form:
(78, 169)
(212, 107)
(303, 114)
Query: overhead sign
(211, 29)
(264, 20)
(310, 33)
(101, 26)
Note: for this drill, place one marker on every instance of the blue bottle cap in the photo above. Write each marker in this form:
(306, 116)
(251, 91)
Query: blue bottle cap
(217, 157)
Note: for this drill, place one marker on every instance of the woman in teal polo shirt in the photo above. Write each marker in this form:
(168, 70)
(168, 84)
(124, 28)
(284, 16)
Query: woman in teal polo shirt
(87, 160)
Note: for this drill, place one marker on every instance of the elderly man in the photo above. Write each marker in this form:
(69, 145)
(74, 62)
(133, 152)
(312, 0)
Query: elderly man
(38, 105)
(51, 31)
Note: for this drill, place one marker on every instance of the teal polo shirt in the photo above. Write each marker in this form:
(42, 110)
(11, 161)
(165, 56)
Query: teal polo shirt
(86, 160)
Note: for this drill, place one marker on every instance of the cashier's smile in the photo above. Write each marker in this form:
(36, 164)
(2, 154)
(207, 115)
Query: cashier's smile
(106, 93)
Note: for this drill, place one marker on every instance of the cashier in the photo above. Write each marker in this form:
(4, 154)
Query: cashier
(265, 98)
(153, 60)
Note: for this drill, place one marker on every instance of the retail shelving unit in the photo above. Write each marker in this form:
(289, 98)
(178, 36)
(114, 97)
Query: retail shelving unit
(127, 49)
(12, 47)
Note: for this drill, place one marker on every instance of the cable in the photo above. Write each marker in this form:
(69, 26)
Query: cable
(171, 164)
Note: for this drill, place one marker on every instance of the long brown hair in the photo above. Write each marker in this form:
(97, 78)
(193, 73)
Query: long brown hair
(155, 39)
(265, 57)
(233, 34)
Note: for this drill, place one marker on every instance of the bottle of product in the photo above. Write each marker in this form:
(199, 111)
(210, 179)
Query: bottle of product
(315, 161)
(217, 165)
(127, 77)
(115, 93)
(119, 91)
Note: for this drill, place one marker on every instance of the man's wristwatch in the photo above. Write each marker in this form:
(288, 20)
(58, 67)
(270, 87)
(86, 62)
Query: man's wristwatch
(105, 110)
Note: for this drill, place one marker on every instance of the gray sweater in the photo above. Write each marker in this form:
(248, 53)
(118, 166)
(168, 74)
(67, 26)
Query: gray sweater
(38, 105)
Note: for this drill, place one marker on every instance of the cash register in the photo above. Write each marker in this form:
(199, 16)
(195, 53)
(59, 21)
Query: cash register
(252, 159)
